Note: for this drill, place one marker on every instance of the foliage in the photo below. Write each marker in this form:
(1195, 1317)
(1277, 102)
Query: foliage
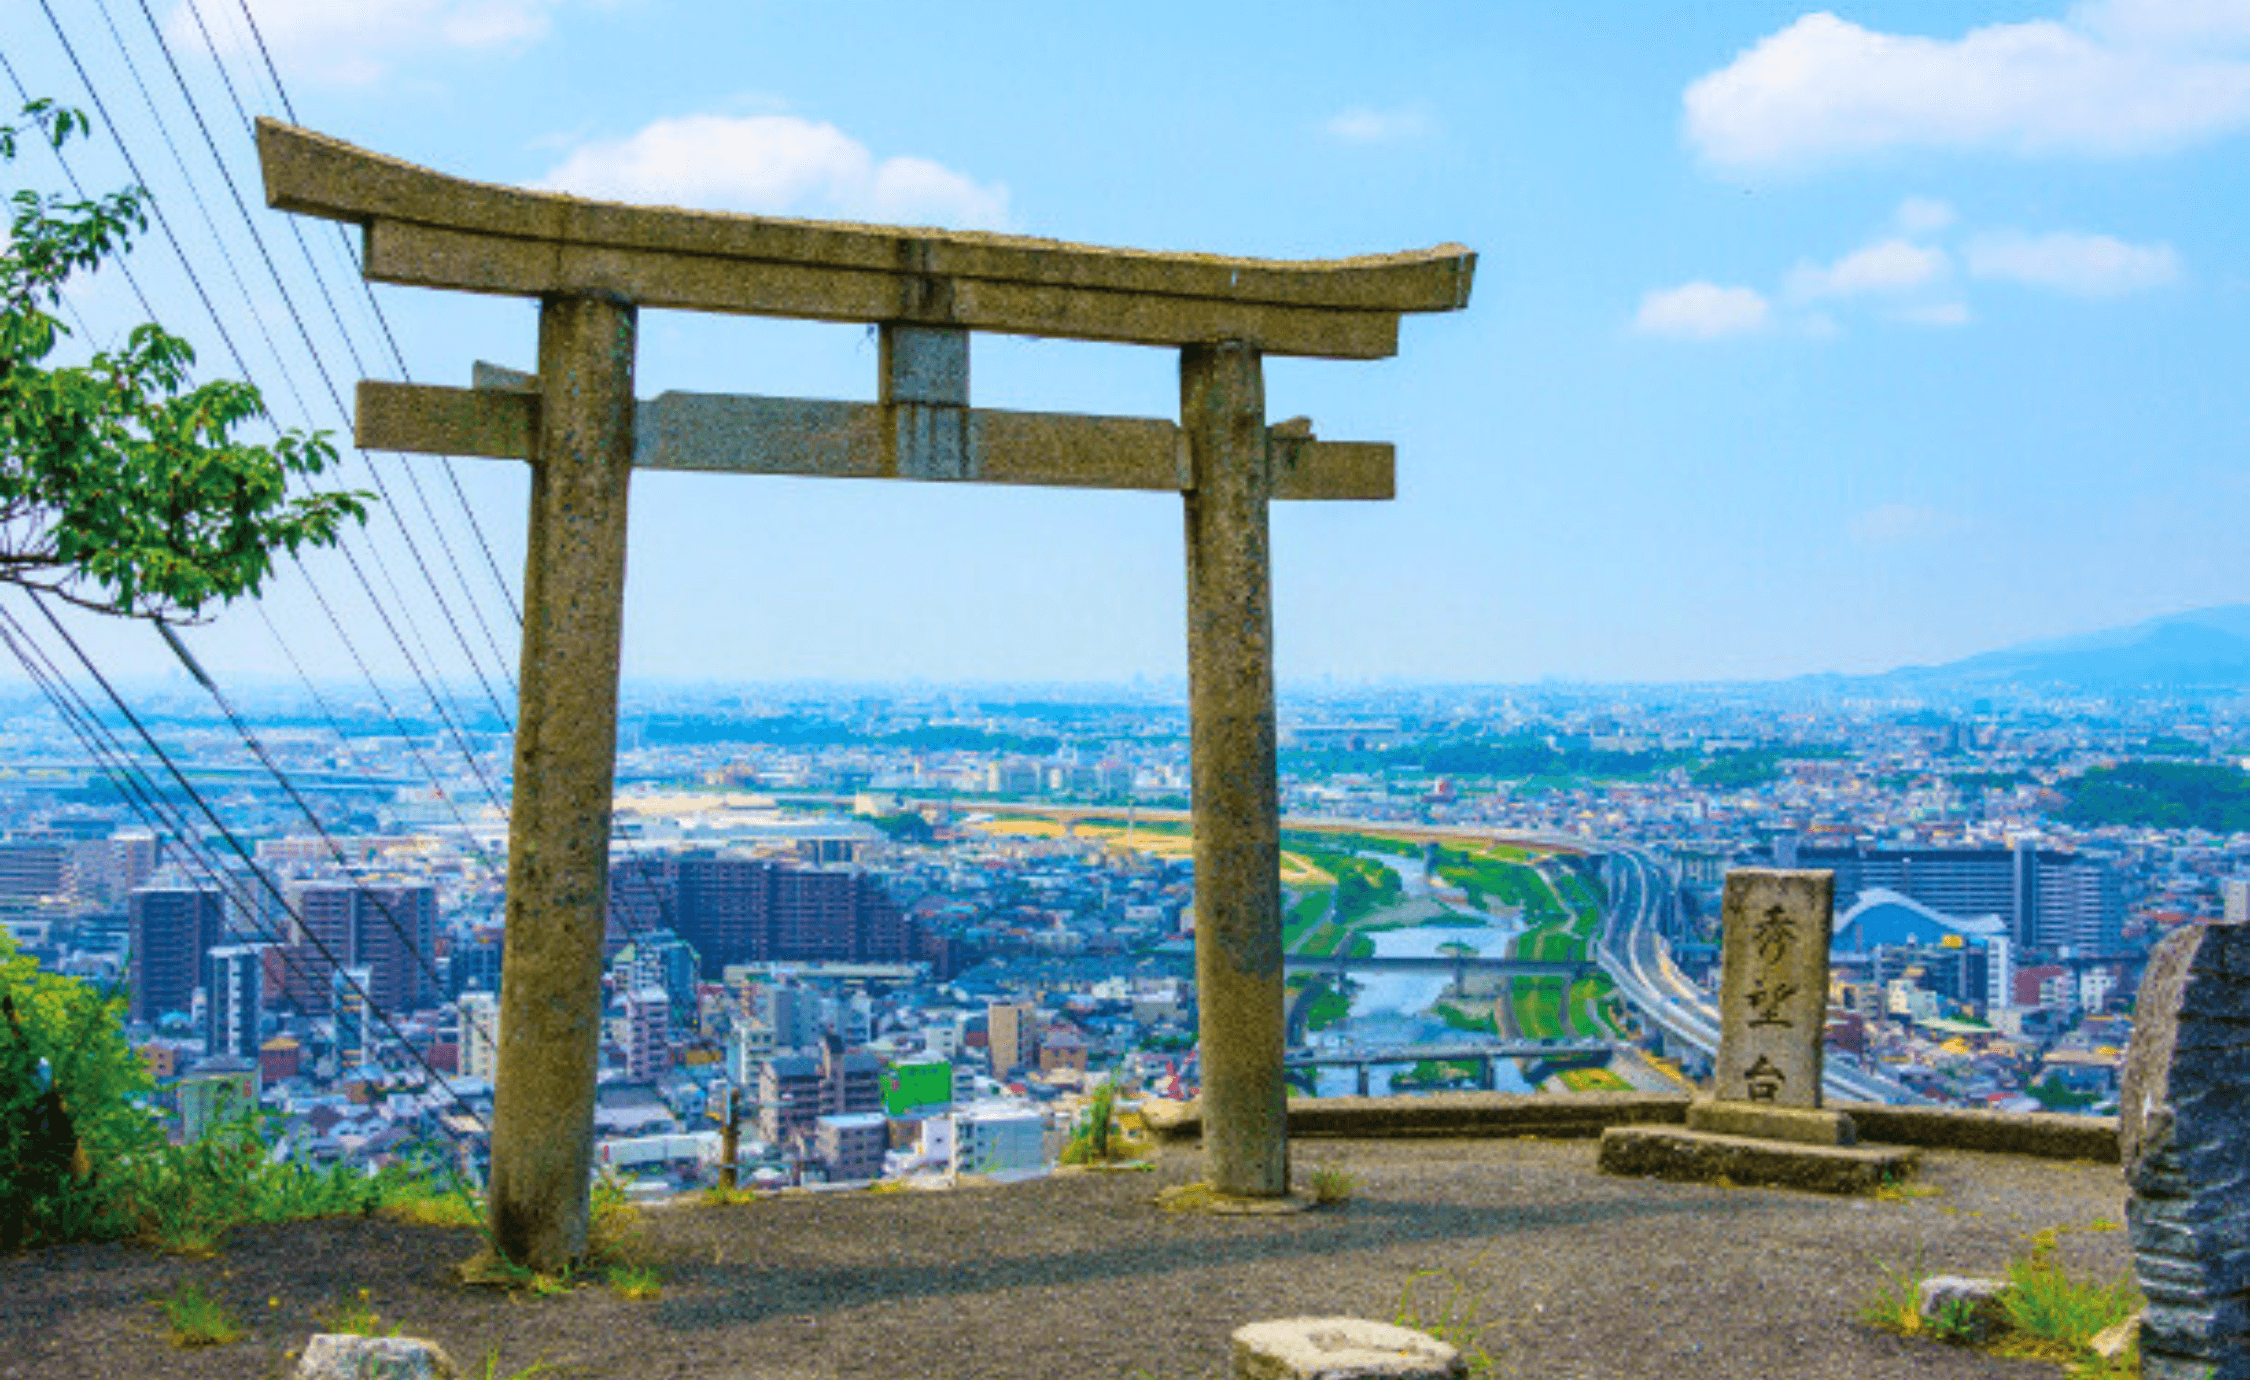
(1099, 1137)
(635, 1283)
(1737, 771)
(122, 488)
(2161, 795)
(70, 1109)
(1332, 1185)
(2044, 1303)
(908, 827)
(1439, 1303)
(1895, 1306)
(1325, 1006)
(197, 1319)
(358, 1318)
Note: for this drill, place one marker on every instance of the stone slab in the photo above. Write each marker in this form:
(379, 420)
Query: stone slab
(1700, 1156)
(348, 1356)
(1341, 1349)
(1761, 1121)
(313, 174)
(741, 434)
(1773, 992)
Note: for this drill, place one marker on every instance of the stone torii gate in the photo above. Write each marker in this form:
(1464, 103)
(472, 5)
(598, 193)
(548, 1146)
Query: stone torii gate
(591, 265)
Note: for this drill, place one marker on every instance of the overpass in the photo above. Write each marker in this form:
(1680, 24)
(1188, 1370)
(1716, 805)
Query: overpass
(1441, 963)
(1485, 1054)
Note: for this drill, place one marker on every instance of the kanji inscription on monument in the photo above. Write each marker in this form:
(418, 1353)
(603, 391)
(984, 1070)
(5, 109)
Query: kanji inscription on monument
(1773, 996)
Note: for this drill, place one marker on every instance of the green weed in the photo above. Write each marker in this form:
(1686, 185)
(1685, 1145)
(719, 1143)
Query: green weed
(1332, 1185)
(2044, 1304)
(1440, 1303)
(359, 1319)
(1895, 1306)
(197, 1319)
(635, 1283)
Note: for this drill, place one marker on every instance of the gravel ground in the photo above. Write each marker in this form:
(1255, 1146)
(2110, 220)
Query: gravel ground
(1566, 1273)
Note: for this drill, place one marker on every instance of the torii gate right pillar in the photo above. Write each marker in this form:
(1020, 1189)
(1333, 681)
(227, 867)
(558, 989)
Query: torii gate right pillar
(1238, 968)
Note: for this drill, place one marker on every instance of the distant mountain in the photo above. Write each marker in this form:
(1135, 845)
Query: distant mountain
(2201, 649)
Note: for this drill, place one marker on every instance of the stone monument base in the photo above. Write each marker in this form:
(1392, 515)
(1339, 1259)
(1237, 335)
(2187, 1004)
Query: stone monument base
(1702, 1156)
(1764, 1121)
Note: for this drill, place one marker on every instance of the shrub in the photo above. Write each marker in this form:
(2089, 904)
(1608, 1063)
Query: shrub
(72, 1106)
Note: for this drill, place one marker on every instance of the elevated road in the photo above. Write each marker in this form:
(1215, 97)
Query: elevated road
(1633, 953)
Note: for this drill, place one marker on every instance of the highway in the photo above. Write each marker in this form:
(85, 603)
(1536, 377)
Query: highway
(1632, 952)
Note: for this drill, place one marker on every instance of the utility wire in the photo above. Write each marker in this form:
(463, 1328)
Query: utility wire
(343, 238)
(289, 304)
(234, 843)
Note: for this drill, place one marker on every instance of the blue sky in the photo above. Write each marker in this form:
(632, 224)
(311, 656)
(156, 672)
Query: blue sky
(1801, 340)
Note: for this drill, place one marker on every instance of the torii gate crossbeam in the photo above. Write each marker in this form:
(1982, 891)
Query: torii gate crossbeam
(592, 265)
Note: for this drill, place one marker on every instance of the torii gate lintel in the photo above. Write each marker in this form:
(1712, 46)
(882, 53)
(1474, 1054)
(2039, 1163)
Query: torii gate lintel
(591, 266)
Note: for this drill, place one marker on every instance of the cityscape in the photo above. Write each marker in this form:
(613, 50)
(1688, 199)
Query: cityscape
(892, 935)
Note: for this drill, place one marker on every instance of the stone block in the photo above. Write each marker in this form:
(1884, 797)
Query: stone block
(345, 1356)
(1700, 1156)
(1773, 994)
(2111, 1341)
(1341, 1349)
(2184, 1138)
(1764, 1121)
(1962, 1307)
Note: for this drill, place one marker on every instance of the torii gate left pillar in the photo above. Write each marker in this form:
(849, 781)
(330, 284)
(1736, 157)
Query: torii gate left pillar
(591, 265)
(565, 779)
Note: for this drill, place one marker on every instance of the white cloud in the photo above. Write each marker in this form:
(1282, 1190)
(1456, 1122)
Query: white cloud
(1701, 311)
(2067, 261)
(1937, 314)
(775, 165)
(2118, 77)
(1889, 524)
(1890, 266)
(1920, 215)
(1361, 124)
(355, 42)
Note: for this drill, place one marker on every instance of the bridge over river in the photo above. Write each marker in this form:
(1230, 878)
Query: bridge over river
(1485, 1054)
(1457, 965)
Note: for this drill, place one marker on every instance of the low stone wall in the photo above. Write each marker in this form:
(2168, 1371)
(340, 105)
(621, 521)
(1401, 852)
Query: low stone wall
(2041, 1135)
(2044, 1135)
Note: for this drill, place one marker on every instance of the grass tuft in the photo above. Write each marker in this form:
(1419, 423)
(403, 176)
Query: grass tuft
(359, 1319)
(197, 1319)
(1332, 1185)
(1441, 1304)
(636, 1283)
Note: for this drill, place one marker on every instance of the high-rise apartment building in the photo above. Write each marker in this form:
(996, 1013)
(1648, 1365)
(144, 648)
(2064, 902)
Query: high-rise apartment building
(235, 1002)
(354, 1020)
(1010, 1036)
(479, 1017)
(172, 928)
(386, 927)
(754, 910)
(648, 1033)
(2048, 898)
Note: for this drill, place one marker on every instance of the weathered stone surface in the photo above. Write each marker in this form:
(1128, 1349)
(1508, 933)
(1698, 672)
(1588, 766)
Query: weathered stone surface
(1808, 1126)
(744, 434)
(1966, 1301)
(2047, 1135)
(2184, 1140)
(1773, 996)
(1699, 1156)
(428, 229)
(2111, 1342)
(1237, 795)
(565, 775)
(1341, 1349)
(346, 1356)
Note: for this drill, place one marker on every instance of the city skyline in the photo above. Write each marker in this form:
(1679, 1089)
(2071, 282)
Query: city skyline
(1767, 372)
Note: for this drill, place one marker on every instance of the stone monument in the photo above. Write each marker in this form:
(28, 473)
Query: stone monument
(1773, 1008)
(2183, 1130)
(1764, 1123)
